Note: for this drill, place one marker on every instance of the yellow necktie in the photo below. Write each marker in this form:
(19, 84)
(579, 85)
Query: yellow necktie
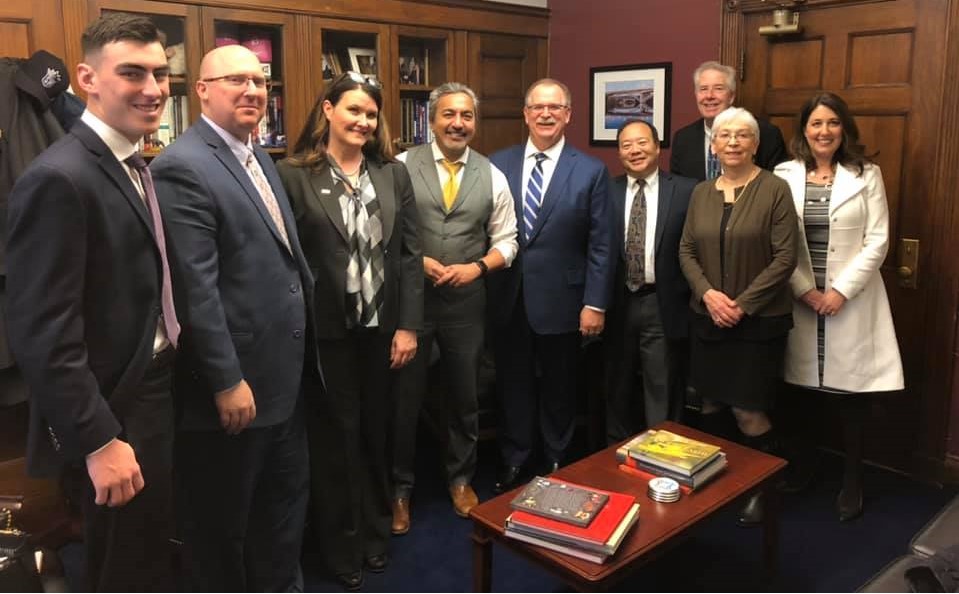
(450, 187)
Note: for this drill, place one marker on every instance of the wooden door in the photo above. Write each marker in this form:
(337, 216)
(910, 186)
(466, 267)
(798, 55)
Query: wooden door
(26, 27)
(499, 69)
(885, 59)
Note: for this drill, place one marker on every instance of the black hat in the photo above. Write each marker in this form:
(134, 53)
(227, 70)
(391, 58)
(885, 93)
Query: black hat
(43, 76)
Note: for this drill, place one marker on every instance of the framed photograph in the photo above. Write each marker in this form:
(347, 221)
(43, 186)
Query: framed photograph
(414, 65)
(622, 93)
(363, 60)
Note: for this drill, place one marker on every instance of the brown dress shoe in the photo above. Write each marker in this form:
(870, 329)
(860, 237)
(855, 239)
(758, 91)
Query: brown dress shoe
(401, 516)
(464, 499)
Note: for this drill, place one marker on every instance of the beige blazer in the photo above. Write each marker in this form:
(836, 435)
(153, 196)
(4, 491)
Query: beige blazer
(862, 354)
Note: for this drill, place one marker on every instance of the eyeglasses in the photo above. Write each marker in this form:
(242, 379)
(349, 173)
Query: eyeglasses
(242, 80)
(740, 135)
(550, 107)
(367, 79)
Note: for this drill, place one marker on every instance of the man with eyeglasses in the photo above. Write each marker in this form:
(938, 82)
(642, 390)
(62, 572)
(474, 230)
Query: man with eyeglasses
(244, 288)
(91, 322)
(715, 87)
(649, 313)
(557, 289)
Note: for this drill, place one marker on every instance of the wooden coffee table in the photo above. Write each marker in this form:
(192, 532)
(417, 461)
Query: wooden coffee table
(660, 526)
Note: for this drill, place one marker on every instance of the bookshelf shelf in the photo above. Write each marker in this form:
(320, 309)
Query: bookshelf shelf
(406, 87)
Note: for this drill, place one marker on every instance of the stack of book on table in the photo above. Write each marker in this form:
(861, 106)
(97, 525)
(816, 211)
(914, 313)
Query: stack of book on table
(581, 521)
(655, 453)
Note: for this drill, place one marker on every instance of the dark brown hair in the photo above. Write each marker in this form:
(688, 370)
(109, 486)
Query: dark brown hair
(311, 146)
(119, 26)
(851, 153)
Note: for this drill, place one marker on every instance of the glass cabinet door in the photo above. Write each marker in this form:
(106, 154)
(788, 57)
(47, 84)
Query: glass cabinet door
(271, 37)
(180, 25)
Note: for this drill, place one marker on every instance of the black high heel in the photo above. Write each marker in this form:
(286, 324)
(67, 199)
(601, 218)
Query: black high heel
(849, 504)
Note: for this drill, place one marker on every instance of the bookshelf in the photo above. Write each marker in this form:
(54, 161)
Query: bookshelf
(422, 60)
(270, 37)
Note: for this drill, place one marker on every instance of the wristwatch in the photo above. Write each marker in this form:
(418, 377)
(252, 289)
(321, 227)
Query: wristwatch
(482, 266)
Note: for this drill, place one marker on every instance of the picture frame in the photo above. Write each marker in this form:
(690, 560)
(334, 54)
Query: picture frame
(363, 60)
(414, 64)
(634, 91)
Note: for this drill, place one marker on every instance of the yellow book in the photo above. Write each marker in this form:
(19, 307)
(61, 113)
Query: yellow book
(669, 450)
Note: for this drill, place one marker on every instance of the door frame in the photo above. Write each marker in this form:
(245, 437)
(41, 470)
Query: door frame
(936, 456)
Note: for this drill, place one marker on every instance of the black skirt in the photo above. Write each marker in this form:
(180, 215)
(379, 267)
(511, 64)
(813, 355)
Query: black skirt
(740, 366)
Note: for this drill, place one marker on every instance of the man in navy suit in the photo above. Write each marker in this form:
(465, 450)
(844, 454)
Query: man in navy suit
(648, 319)
(88, 321)
(715, 88)
(558, 287)
(242, 285)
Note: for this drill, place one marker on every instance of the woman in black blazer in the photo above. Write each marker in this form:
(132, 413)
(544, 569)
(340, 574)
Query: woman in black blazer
(357, 221)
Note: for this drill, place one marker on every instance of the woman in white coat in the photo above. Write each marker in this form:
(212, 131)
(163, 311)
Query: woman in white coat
(843, 341)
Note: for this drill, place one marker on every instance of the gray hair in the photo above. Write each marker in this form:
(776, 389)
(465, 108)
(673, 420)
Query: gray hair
(728, 71)
(736, 114)
(450, 88)
(549, 82)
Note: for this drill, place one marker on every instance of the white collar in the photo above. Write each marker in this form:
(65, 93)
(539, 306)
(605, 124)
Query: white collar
(119, 145)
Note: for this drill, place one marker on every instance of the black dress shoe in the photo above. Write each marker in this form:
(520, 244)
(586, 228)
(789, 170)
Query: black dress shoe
(377, 563)
(752, 512)
(551, 467)
(351, 581)
(849, 504)
(508, 479)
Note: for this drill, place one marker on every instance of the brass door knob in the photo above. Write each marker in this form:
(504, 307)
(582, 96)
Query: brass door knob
(904, 272)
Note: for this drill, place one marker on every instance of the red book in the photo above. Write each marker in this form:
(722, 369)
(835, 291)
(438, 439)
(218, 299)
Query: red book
(598, 531)
(648, 477)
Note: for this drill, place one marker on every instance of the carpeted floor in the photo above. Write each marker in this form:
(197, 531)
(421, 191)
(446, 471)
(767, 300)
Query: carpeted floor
(818, 553)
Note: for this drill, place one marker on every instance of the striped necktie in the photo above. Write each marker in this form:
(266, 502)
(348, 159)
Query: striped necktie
(713, 170)
(534, 195)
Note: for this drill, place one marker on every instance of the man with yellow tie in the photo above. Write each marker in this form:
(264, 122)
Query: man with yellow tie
(467, 230)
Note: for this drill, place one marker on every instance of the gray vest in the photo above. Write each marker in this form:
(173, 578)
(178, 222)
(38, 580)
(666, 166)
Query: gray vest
(458, 236)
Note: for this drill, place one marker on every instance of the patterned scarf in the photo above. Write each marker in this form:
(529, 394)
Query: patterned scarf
(364, 226)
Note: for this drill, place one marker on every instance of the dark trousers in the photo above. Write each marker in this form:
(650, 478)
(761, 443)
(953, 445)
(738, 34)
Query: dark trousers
(243, 505)
(536, 375)
(636, 344)
(349, 436)
(461, 348)
(128, 548)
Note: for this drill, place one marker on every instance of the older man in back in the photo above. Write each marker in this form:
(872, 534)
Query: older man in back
(715, 87)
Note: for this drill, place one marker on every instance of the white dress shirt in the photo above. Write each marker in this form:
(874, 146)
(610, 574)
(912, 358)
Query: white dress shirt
(122, 148)
(651, 192)
(549, 164)
(241, 150)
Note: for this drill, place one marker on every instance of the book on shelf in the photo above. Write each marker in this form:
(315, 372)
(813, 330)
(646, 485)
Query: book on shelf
(597, 533)
(559, 500)
(665, 449)
(687, 483)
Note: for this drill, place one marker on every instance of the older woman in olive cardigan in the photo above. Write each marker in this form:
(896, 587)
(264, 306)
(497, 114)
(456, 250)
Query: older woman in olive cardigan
(738, 250)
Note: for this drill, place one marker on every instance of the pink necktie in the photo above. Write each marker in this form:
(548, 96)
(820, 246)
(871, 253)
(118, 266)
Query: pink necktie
(170, 323)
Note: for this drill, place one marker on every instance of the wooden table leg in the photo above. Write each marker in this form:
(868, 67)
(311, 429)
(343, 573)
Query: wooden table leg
(771, 533)
(482, 560)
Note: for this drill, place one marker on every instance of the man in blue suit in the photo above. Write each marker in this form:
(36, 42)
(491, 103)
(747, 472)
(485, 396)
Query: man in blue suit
(242, 285)
(557, 288)
(648, 316)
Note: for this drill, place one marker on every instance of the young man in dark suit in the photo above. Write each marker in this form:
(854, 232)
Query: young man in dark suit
(715, 89)
(243, 287)
(648, 317)
(558, 287)
(90, 310)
